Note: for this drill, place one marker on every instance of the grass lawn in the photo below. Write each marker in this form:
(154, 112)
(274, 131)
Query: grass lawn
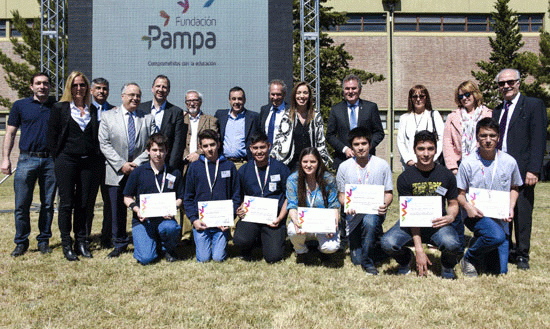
(38, 291)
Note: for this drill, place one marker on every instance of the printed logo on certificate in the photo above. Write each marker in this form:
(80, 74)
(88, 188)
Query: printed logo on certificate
(317, 220)
(493, 204)
(158, 204)
(216, 213)
(364, 198)
(419, 211)
(260, 210)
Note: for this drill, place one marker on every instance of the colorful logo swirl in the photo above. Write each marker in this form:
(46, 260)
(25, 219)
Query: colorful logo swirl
(404, 208)
(201, 211)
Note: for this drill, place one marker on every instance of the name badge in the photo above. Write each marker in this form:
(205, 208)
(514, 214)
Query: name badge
(441, 191)
(226, 173)
(275, 178)
(171, 180)
(272, 186)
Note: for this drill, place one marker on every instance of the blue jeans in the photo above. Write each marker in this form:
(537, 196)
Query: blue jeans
(445, 238)
(29, 169)
(489, 236)
(363, 238)
(149, 233)
(210, 244)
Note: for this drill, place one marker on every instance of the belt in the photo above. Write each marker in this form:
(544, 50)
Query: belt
(38, 154)
(237, 159)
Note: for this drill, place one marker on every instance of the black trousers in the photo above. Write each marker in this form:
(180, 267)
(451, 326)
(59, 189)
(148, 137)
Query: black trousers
(77, 181)
(272, 239)
(523, 220)
(118, 211)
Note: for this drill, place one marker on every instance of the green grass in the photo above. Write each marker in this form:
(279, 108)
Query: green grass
(38, 291)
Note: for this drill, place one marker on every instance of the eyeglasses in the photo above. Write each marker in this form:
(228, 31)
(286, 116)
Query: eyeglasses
(507, 82)
(418, 96)
(133, 95)
(81, 85)
(461, 96)
(189, 101)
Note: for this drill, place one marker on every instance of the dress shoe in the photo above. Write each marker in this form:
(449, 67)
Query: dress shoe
(44, 248)
(522, 263)
(106, 244)
(69, 254)
(83, 250)
(116, 252)
(19, 250)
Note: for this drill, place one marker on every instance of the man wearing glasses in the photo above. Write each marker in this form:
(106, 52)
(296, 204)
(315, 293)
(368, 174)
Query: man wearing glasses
(522, 126)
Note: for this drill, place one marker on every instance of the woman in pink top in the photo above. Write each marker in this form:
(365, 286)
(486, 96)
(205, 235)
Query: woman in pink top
(459, 136)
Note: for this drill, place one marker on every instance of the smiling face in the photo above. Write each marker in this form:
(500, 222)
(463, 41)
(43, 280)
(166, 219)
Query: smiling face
(131, 97)
(157, 154)
(260, 152)
(237, 101)
(302, 96)
(467, 100)
(210, 149)
(419, 101)
(276, 94)
(309, 164)
(508, 84)
(351, 91)
(160, 90)
(100, 92)
(78, 89)
(193, 103)
(425, 153)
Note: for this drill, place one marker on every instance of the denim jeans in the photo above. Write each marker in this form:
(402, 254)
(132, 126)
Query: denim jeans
(489, 236)
(445, 238)
(210, 244)
(148, 234)
(29, 169)
(363, 238)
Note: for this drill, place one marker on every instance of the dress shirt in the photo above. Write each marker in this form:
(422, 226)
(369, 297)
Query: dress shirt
(158, 114)
(278, 118)
(100, 109)
(510, 112)
(234, 141)
(82, 121)
(194, 124)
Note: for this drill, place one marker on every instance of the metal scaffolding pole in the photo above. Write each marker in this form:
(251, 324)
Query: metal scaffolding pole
(52, 43)
(309, 46)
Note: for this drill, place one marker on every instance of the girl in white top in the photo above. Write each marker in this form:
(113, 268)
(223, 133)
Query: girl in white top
(420, 116)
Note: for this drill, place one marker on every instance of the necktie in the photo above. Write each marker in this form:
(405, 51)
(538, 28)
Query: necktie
(131, 137)
(352, 119)
(154, 127)
(502, 125)
(271, 126)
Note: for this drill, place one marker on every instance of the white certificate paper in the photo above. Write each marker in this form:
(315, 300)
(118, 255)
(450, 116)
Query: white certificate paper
(419, 211)
(364, 198)
(158, 204)
(260, 210)
(317, 220)
(216, 213)
(493, 204)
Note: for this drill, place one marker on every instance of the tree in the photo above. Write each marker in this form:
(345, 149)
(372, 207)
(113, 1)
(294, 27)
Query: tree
(334, 60)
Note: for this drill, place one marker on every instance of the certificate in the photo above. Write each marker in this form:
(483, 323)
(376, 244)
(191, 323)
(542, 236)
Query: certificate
(216, 213)
(317, 220)
(260, 210)
(493, 204)
(364, 198)
(157, 204)
(419, 211)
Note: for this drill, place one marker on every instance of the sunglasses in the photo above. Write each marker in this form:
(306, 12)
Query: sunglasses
(81, 85)
(418, 96)
(461, 96)
(507, 82)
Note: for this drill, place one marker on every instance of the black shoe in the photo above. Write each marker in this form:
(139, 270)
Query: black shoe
(19, 250)
(170, 258)
(106, 244)
(116, 252)
(44, 247)
(522, 263)
(81, 248)
(69, 254)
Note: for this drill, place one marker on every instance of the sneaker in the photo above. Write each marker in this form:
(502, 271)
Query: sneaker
(448, 273)
(406, 269)
(370, 270)
(468, 269)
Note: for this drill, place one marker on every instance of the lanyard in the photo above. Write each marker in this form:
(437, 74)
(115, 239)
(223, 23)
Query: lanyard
(208, 173)
(161, 188)
(360, 171)
(262, 187)
(483, 168)
(311, 196)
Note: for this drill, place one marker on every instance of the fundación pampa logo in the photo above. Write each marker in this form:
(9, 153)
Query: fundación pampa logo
(176, 35)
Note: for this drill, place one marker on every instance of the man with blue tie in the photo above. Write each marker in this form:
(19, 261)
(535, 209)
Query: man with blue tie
(348, 114)
(272, 114)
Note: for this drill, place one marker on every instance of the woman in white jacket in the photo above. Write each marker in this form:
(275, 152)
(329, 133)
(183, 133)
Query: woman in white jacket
(420, 116)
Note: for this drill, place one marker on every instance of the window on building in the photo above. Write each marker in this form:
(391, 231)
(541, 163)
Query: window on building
(530, 22)
(460, 23)
(362, 23)
(3, 24)
(14, 32)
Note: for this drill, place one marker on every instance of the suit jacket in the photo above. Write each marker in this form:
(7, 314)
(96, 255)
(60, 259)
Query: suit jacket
(172, 126)
(205, 122)
(526, 140)
(338, 127)
(113, 142)
(58, 125)
(251, 122)
(264, 113)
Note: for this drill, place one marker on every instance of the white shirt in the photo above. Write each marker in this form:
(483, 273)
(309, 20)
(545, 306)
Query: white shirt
(278, 118)
(411, 123)
(158, 114)
(194, 123)
(82, 121)
(126, 113)
(510, 112)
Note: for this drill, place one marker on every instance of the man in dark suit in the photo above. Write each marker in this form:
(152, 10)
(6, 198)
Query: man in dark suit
(272, 114)
(351, 113)
(236, 126)
(522, 135)
(168, 120)
(100, 93)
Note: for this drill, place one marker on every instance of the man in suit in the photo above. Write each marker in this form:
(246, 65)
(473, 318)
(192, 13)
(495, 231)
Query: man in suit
(272, 114)
(351, 113)
(168, 120)
(236, 126)
(100, 93)
(522, 127)
(123, 133)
